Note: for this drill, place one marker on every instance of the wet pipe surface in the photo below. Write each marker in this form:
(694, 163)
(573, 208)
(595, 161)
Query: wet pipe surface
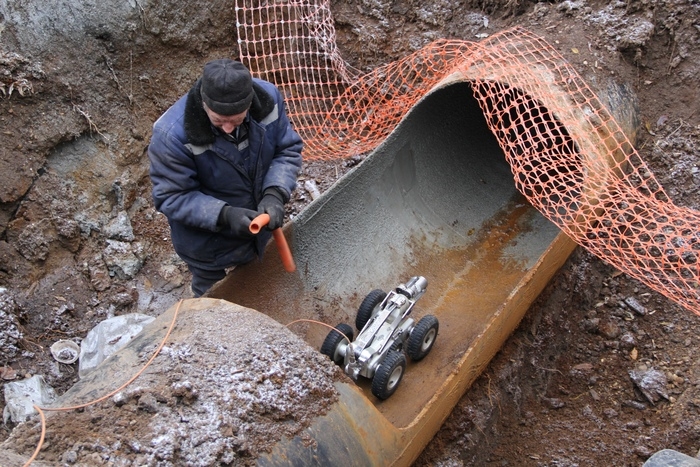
(466, 287)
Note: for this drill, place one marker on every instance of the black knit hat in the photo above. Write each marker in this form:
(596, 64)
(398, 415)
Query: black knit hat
(227, 87)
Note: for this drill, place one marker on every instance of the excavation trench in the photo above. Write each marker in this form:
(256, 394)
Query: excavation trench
(435, 199)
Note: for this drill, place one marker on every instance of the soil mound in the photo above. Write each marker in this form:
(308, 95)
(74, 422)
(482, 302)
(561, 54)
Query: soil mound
(226, 386)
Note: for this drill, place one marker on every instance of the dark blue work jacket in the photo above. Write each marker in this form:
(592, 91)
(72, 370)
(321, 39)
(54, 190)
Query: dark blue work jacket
(196, 171)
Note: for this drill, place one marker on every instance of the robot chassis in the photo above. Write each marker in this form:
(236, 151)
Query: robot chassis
(387, 335)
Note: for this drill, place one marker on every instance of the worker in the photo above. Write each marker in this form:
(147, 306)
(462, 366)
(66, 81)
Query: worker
(221, 155)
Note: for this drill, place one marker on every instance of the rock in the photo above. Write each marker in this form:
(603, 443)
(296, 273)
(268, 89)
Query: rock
(609, 329)
(312, 188)
(33, 242)
(591, 325)
(120, 228)
(635, 405)
(68, 232)
(671, 458)
(554, 403)
(11, 335)
(636, 306)
(123, 259)
(627, 341)
(652, 383)
(642, 451)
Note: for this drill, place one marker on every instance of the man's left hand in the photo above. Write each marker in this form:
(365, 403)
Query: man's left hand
(272, 204)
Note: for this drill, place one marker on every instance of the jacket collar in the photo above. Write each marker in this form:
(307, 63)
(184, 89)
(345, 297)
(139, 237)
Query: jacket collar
(198, 128)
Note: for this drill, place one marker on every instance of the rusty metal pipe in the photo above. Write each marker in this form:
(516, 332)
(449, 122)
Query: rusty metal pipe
(436, 199)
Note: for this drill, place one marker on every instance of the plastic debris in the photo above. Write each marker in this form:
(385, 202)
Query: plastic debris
(108, 337)
(21, 396)
(65, 351)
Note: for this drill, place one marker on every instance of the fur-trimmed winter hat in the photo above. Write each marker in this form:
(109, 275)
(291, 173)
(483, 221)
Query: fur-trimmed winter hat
(227, 87)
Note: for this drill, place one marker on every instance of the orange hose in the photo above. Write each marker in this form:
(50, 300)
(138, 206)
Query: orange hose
(259, 222)
(285, 253)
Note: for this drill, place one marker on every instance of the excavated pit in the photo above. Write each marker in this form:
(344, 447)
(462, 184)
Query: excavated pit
(435, 199)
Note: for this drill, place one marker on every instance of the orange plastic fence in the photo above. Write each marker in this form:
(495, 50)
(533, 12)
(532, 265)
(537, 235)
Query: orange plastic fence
(568, 155)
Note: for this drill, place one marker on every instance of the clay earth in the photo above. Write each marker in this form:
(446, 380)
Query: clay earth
(80, 240)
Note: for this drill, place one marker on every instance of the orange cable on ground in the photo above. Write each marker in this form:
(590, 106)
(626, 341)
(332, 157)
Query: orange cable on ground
(568, 155)
(313, 321)
(41, 438)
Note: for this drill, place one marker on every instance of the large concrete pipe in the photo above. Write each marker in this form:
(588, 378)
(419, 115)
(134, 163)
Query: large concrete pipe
(436, 199)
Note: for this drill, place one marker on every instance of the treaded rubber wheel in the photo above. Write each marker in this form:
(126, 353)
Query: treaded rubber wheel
(366, 310)
(422, 337)
(396, 347)
(331, 345)
(389, 374)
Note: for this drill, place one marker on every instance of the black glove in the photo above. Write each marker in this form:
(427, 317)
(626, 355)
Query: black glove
(273, 204)
(237, 219)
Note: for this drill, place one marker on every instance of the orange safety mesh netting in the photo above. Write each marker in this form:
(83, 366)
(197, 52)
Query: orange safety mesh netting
(568, 155)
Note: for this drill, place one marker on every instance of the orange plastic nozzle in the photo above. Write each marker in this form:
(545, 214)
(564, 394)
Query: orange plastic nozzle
(259, 222)
(285, 253)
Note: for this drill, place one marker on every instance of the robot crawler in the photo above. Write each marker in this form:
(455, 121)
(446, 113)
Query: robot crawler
(387, 335)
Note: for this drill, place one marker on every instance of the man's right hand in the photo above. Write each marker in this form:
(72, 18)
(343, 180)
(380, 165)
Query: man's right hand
(237, 220)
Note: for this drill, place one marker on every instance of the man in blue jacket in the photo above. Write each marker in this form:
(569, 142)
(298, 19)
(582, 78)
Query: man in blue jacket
(220, 156)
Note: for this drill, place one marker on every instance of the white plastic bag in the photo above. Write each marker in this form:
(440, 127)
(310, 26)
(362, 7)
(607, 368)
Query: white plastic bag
(108, 337)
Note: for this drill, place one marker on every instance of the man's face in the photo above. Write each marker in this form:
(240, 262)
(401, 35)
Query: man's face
(225, 123)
